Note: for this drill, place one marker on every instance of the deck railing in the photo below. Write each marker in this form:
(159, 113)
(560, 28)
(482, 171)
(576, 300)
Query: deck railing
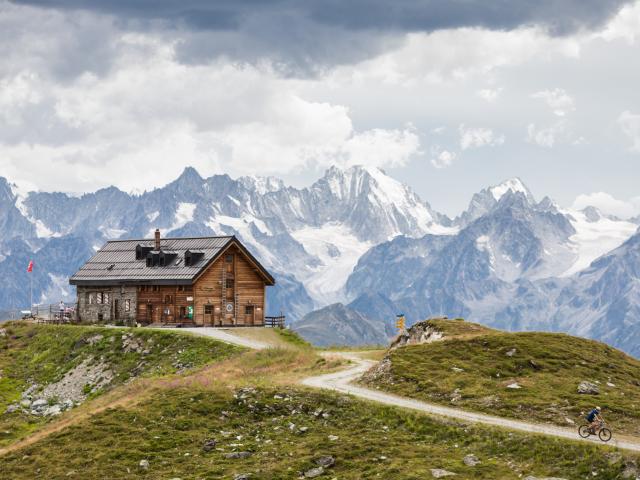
(274, 322)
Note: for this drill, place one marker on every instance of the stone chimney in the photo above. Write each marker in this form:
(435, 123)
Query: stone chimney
(157, 245)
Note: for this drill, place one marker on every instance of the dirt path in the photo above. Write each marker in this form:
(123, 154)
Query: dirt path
(342, 382)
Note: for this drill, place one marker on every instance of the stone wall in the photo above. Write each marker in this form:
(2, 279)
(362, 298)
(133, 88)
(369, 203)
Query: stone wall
(107, 304)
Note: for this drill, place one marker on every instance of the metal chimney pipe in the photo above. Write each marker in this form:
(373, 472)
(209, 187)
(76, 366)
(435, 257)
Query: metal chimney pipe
(157, 239)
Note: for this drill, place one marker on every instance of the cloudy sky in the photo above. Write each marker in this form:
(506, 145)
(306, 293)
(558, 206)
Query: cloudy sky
(448, 97)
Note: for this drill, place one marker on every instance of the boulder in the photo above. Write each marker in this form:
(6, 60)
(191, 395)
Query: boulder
(209, 445)
(242, 476)
(511, 352)
(471, 460)
(588, 388)
(326, 461)
(144, 464)
(314, 472)
(236, 455)
(514, 385)
(441, 473)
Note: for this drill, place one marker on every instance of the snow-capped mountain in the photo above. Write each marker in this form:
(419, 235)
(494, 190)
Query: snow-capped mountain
(520, 265)
(310, 237)
(358, 237)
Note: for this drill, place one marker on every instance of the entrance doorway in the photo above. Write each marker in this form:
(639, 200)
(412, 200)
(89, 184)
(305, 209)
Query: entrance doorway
(208, 315)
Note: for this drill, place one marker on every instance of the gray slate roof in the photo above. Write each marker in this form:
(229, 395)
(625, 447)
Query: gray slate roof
(126, 269)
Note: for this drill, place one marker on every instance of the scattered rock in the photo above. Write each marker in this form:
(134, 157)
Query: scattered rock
(457, 369)
(242, 476)
(52, 411)
(609, 384)
(514, 385)
(534, 364)
(236, 455)
(588, 388)
(12, 408)
(511, 352)
(144, 464)
(630, 470)
(94, 339)
(471, 460)
(456, 396)
(440, 473)
(314, 472)
(25, 403)
(39, 404)
(326, 461)
(3, 332)
(209, 445)
(569, 421)
(333, 438)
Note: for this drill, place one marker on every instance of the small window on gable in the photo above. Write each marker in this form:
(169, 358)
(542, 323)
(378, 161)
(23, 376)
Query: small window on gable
(228, 258)
(229, 283)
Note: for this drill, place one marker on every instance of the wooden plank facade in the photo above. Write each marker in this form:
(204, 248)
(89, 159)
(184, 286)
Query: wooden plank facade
(227, 285)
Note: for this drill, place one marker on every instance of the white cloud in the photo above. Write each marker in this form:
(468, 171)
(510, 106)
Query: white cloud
(139, 124)
(630, 125)
(608, 204)
(625, 25)
(558, 100)
(546, 136)
(478, 137)
(489, 94)
(441, 158)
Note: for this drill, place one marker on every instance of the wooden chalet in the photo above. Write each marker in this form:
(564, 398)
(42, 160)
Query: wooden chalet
(209, 281)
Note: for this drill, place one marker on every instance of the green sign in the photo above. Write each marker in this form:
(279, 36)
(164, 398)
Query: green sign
(190, 311)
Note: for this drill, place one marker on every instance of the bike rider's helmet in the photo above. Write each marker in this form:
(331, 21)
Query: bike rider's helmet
(598, 409)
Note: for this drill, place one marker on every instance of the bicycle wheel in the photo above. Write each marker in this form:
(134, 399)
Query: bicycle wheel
(583, 431)
(605, 434)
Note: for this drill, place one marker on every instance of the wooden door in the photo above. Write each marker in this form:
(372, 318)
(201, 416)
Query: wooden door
(116, 309)
(249, 315)
(208, 315)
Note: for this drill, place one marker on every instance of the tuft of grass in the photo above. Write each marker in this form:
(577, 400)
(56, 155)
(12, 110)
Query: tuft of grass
(285, 430)
(473, 372)
(292, 337)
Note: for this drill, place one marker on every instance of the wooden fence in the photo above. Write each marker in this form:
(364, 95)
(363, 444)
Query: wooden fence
(274, 322)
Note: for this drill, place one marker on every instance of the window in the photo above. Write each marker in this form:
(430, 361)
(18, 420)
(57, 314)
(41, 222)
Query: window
(155, 288)
(229, 283)
(127, 305)
(183, 312)
(90, 298)
(180, 288)
(168, 299)
(228, 258)
(105, 298)
(248, 310)
(208, 309)
(99, 298)
(188, 288)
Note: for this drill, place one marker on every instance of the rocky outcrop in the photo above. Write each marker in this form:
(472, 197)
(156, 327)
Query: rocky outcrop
(588, 388)
(418, 333)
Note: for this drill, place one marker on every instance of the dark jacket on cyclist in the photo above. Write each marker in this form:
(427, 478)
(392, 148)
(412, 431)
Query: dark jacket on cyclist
(592, 415)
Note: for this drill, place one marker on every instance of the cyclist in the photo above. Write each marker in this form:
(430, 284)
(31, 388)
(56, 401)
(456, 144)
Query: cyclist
(594, 418)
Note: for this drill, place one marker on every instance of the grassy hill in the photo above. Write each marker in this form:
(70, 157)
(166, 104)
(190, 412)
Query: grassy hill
(278, 433)
(244, 416)
(45, 370)
(472, 367)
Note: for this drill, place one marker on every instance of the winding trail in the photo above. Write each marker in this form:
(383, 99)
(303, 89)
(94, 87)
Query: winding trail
(342, 382)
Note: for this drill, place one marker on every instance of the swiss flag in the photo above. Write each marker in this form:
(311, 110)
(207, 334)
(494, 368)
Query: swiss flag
(30, 267)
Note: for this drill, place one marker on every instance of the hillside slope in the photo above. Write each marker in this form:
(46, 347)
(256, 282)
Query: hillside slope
(529, 376)
(45, 370)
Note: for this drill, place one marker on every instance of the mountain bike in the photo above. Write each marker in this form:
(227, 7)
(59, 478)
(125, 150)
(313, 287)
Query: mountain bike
(603, 432)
